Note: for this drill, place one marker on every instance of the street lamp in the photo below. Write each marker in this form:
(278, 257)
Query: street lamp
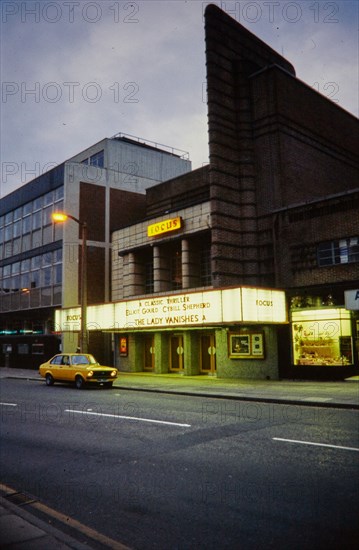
(60, 217)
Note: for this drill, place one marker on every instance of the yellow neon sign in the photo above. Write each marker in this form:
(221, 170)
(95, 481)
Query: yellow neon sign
(164, 226)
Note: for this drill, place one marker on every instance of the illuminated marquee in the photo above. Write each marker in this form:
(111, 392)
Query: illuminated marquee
(164, 226)
(232, 305)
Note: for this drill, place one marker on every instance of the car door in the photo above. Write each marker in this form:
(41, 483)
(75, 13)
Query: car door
(54, 366)
(65, 367)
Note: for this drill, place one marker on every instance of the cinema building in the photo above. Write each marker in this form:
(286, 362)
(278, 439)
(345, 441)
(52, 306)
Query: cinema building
(247, 267)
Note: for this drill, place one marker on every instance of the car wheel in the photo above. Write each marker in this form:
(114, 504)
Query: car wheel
(49, 380)
(79, 382)
(108, 385)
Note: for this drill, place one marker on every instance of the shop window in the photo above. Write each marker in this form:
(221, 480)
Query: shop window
(323, 338)
(37, 349)
(341, 251)
(23, 349)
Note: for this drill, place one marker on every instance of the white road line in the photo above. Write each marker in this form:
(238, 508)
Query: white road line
(9, 404)
(130, 418)
(316, 444)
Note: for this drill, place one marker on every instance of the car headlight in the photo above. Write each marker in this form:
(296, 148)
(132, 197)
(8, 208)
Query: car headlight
(89, 374)
(113, 373)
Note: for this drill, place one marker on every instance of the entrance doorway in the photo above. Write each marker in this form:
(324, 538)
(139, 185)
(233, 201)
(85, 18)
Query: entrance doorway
(176, 353)
(208, 354)
(149, 364)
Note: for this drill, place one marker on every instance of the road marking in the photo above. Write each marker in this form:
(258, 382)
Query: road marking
(131, 418)
(9, 404)
(316, 444)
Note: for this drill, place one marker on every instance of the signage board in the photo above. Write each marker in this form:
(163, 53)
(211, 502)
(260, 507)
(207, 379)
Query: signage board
(352, 299)
(232, 305)
(164, 226)
(263, 305)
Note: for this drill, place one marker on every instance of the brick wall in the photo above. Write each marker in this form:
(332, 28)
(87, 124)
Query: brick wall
(273, 142)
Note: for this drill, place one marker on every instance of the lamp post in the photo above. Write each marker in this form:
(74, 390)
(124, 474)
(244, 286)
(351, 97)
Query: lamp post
(60, 217)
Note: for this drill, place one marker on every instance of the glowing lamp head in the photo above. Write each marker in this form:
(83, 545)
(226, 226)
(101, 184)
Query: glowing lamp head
(59, 217)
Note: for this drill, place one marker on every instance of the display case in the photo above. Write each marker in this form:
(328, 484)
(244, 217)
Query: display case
(322, 337)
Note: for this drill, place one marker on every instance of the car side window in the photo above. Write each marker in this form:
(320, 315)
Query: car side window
(56, 360)
(79, 360)
(65, 360)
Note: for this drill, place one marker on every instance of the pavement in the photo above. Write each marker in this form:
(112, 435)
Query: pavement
(22, 530)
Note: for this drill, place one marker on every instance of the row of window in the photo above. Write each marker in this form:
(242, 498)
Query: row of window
(29, 223)
(341, 251)
(37, 204)
(98, 159)
(38, 271)
(31, 298)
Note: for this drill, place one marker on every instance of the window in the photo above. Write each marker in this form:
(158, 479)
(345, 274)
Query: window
(17, 228)
(17, 213)
(27, 209)
(58, 274)
(48, 198)
(58, 194)
(37, 204)
(97, 159)
(341, 251)
(47, 219)
(46, 276)
(36, 220)
(26, 224)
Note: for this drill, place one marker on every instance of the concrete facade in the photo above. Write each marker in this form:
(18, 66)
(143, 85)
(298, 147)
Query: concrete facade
(40, 263)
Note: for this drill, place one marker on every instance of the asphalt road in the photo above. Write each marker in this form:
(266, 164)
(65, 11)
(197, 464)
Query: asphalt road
(174, 472)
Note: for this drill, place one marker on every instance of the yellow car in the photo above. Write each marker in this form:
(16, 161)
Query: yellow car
(80, 368)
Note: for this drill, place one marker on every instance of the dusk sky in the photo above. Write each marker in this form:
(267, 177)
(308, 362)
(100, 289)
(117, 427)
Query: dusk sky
(75, 72)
